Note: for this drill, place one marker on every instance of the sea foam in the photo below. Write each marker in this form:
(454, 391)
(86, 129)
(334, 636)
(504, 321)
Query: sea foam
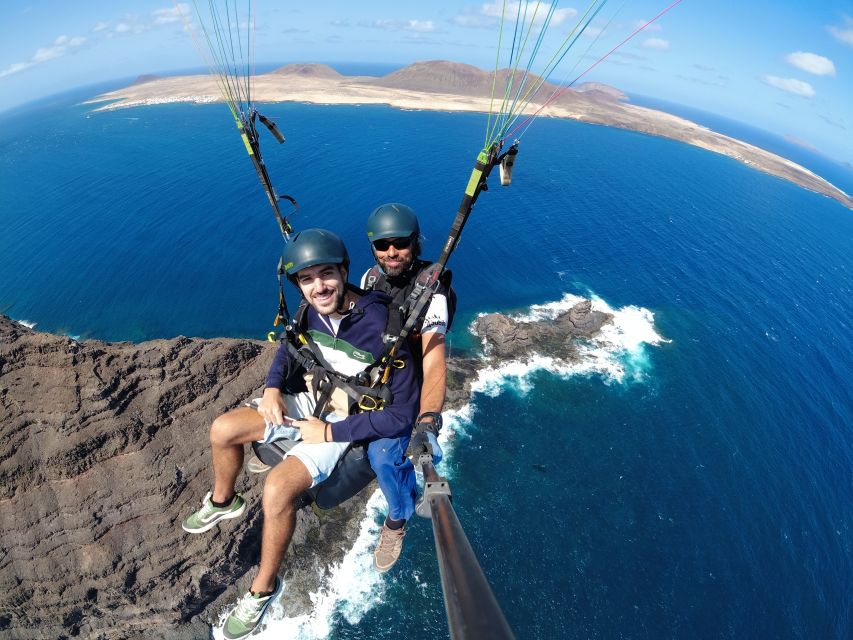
(618, 353)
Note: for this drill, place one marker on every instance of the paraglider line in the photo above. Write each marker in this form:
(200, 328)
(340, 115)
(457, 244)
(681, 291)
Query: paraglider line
(590, 68)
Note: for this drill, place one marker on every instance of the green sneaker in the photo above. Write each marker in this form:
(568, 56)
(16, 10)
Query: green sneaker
(248, 613)
(208, 515)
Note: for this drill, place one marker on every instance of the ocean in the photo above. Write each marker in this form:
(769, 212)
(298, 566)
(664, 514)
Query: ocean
(691, 477)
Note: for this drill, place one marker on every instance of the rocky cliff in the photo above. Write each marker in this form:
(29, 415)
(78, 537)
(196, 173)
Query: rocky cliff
(105, 452)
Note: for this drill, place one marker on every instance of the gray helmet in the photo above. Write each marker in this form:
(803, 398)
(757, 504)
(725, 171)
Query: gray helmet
(312, 247)
(392, 220)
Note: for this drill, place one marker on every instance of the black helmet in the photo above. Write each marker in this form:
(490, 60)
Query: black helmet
(392, 220)
(312, 247)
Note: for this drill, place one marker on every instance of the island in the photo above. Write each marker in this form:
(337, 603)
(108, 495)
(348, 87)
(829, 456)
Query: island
(453, 86)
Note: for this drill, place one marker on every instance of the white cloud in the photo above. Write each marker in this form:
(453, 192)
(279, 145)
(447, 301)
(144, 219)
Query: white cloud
(65, 44)
(172, 14)
(488, 15)
(62, 45)
(419, 26)
(811, 63)
(15, 68)
(791, 85)
(473, 21)
(843, 33)
(422, 26)
(644, 24)
(158, 18)
(43, 54)
(656, 44)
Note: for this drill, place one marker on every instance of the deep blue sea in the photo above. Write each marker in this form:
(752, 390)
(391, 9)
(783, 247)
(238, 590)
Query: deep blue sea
(836, 171)
(692, 479)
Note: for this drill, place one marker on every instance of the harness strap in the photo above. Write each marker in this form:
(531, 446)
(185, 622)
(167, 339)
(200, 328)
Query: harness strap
(325, 379)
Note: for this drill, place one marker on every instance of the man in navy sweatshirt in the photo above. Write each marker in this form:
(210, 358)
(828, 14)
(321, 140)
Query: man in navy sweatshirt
(347, 326)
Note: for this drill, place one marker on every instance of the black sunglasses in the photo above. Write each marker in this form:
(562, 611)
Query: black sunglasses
(398, 243)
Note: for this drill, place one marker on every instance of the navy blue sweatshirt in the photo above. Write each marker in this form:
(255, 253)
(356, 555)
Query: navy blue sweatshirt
(359, 341)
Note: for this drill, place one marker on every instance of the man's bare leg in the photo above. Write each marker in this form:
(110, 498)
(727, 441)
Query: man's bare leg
(283, 486)
(228, 433)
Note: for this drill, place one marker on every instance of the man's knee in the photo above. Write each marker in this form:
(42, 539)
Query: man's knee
(238, 426)
(386, 453)
(284, 486)
(221, 433)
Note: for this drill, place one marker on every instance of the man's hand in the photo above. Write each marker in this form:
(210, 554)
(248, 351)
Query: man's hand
(271, 407)
(314, 430)
(426, 436)
(425, 441)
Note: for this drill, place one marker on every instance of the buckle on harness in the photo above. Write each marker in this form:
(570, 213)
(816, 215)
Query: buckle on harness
(388, 363)
(370, 403)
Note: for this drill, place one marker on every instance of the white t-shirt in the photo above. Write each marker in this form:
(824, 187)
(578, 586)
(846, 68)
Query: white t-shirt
(435, 320)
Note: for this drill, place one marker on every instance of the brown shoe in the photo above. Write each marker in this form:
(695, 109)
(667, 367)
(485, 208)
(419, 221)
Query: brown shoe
(389, 548)
(256, 466)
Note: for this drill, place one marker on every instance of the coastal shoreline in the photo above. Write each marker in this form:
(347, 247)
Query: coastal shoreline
(103, 475)
(454, 87)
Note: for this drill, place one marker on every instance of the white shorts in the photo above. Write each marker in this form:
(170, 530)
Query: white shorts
(320, 459)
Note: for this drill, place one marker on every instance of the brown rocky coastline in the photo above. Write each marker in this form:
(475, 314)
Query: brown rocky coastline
(105, 451)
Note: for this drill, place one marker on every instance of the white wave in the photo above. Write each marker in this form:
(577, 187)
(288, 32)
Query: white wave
(618, 353)
(351, 589)
(27, 323)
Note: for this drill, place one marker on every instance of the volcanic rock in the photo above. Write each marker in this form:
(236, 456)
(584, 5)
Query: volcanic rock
(509, 338)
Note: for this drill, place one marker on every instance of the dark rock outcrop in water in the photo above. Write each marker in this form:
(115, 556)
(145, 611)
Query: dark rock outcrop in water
(507, 338)
(105, 452)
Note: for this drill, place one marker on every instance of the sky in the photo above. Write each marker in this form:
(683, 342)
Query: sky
(785, 66)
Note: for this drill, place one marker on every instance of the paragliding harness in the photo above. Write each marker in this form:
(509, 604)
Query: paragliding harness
(365, 391)
(376, 280)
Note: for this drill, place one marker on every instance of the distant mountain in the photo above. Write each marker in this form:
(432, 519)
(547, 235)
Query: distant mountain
(144, 78)
(437, 76)
(307, 71)
(601, 90)
(456, 78)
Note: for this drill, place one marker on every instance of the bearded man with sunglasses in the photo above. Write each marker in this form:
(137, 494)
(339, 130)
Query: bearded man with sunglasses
(394, 235)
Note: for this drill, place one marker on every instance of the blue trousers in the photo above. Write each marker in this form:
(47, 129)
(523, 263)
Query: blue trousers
(395, 474)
